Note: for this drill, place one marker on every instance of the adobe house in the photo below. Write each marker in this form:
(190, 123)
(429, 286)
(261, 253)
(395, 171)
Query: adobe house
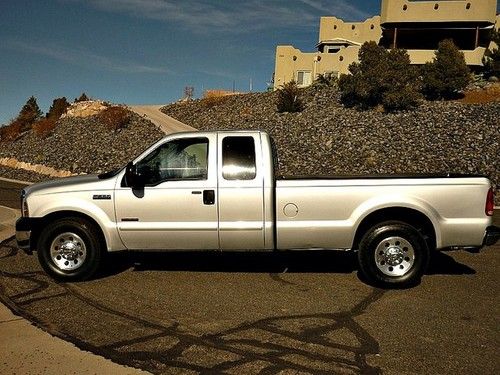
(415, 25)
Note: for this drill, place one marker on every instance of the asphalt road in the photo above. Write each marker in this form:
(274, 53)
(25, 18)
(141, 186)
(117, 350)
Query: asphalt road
(10, 194)
(267, 313)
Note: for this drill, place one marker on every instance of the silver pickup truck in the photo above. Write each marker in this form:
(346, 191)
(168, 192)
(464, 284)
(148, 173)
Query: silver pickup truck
(218, 191)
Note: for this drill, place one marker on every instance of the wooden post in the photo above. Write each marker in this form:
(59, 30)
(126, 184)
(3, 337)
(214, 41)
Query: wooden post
(477, 38)
(395, 40)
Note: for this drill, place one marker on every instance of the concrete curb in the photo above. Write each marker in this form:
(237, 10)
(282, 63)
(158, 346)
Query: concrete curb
(8, 217)
(27, 349)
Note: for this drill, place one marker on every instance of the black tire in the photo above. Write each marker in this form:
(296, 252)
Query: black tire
(393, 254)
(80, 251)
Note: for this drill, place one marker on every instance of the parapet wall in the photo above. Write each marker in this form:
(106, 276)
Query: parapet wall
(400, 11)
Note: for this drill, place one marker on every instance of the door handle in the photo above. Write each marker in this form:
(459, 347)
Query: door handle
(208, 197)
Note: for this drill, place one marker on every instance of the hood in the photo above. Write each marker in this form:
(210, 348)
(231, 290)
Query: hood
(70, 184)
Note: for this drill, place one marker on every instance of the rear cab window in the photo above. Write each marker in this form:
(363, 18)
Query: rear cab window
(238, 158)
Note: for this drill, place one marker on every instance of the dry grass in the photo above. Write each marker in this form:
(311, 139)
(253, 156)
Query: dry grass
(114, 117)
(11, 132)
(486, 95)
(44, 127)
(212, 98)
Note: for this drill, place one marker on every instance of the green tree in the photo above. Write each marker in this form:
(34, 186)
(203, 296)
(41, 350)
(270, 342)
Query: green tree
(381, 77)
(29, 114)
(57, 108)
(447, 74)
(82, 98)
(491, 60)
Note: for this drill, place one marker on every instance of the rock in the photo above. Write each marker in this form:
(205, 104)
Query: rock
(330, 139)
(83, 144)
(85, 109)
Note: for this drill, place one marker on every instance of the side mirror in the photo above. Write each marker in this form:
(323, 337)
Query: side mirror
(132, 178)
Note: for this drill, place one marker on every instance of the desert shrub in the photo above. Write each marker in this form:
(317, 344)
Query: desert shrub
(82, 98)
(491, 59)
(381, 77)
(44, 127)
(288, 99)
(326, 80)
(11, 132)
(57, 108)
(114, 117)
(447, 74)
(212, 98)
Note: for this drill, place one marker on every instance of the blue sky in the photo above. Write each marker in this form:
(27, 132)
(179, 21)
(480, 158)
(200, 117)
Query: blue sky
(147, 51)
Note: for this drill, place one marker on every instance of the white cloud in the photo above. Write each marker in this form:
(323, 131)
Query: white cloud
(337, 8)
(232, 16)
(78, 56)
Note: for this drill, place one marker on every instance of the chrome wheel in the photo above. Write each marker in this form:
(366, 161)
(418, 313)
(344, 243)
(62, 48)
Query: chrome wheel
(394, 256)
(68, 251)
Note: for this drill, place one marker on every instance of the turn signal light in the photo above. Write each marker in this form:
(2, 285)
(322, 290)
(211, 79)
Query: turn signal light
(490, 202)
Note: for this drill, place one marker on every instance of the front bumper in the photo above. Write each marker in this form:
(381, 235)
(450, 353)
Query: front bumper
(491, 236)
(24, 227)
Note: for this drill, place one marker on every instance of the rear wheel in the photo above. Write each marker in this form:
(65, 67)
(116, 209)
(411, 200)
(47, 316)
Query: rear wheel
(69, 249)
(393, 254)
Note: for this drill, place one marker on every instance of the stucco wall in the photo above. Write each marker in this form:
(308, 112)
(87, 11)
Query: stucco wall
(393, 11)
(333, 27)
(290, 60)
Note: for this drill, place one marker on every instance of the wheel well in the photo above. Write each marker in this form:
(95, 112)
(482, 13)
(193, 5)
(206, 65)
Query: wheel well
(64, 215)
(407, 215)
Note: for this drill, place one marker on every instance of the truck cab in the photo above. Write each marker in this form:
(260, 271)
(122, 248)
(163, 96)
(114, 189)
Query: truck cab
(217, 191)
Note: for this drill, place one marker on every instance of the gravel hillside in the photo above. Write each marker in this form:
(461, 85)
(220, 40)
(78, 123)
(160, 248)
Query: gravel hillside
(328, 139)
(84, 145)
(324, 139)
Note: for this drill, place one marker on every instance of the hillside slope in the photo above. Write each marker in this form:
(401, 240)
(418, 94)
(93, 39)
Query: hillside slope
(84, 144)
(327, 138)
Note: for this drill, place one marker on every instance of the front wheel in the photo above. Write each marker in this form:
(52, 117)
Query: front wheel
(69, 249)
(393, 254)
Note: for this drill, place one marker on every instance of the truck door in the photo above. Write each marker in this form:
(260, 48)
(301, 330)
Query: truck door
(177, 208)
(241, 191)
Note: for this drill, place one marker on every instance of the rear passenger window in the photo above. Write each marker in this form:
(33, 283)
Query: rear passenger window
(238, 158)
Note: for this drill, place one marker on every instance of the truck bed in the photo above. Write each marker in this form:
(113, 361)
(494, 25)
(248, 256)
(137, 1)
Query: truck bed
(324, 212)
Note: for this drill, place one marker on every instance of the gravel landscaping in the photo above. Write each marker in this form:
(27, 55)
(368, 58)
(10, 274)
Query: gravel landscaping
(23, 175)
(84, 145)
(324, 139)
(328, 139)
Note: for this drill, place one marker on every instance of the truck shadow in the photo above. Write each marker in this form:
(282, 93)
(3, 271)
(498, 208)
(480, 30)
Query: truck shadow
(258, 262)
(444, 264)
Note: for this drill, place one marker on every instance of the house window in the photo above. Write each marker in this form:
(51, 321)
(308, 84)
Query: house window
(304, 77)
(333, 49)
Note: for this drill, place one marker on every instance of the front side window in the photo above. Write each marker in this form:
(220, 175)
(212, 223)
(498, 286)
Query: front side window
(238, 158)
(303, 78)
(180, 159)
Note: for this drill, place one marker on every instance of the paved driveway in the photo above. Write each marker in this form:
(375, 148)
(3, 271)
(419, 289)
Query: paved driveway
(166, 123)
(268, 313)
